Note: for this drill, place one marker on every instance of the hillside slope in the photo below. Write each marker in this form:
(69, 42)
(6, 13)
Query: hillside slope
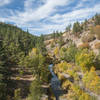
(17, 61)
(88, 37)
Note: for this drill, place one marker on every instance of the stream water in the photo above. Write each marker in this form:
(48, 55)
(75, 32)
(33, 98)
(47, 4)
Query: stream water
(55, 83)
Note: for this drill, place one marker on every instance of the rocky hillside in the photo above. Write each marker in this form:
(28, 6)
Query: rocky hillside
(87, 37)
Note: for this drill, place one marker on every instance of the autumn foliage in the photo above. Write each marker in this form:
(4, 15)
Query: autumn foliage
(85, 59)
(92, 80)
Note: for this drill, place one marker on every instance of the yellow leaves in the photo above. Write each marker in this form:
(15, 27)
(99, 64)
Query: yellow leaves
(73, 73)
(33, 52)
(17, 78)
(76, 89)
(66, 68)
(92, 69)
(75, 93)
(70, 72)
(92, 81)
(63, 67)
(97, 78)
(85, 96)
(66, 84)
(60, 76)
(85, 59)
(95, 83)
(56, 51)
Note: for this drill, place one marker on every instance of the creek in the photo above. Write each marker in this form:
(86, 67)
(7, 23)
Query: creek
(55, 83)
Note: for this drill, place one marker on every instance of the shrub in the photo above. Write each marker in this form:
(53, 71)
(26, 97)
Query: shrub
(73, 74)
(21, 72)
(84, 46)
(66, 84)
(66, 68)
(52, 45)
(3, 90)
(69, 54)
(36, 90)
(75, 93)
(88, 38)
(97, 61)
(85, 59)
(56, 51)
(62, 67)
(97, 31)
(60, 76)
(61, 41)
(92, 81)
(63, 49)
(97, 45)
(17, 78)
(17, 94)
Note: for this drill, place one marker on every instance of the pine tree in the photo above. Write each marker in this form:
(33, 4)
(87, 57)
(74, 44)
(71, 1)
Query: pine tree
(77, 28)
(35, 90)
(97, 19)
(2, 74)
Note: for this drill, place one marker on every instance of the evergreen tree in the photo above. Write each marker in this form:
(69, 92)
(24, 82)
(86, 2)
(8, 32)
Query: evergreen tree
(35, 90)
(77, 28)
(97, 19)
(68, 28)
(2, 74)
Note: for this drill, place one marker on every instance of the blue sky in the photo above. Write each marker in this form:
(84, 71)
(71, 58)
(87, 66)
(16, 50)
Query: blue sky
(46, 16)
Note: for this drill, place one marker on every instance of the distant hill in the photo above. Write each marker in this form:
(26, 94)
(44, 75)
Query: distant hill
(83, 35)
(12, 34)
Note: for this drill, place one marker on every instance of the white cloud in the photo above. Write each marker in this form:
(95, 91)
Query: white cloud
(42, 12)
(62, 20)
(86, 0)
(49, 10)
(76, 14)
(31, 15)
(4, 2)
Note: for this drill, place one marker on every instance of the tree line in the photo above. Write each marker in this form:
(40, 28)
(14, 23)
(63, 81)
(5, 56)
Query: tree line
(15, 45)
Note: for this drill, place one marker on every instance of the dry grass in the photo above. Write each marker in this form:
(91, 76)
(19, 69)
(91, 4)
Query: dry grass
(97, 31)
(88, 38)
(97, 45)
(84, 45)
